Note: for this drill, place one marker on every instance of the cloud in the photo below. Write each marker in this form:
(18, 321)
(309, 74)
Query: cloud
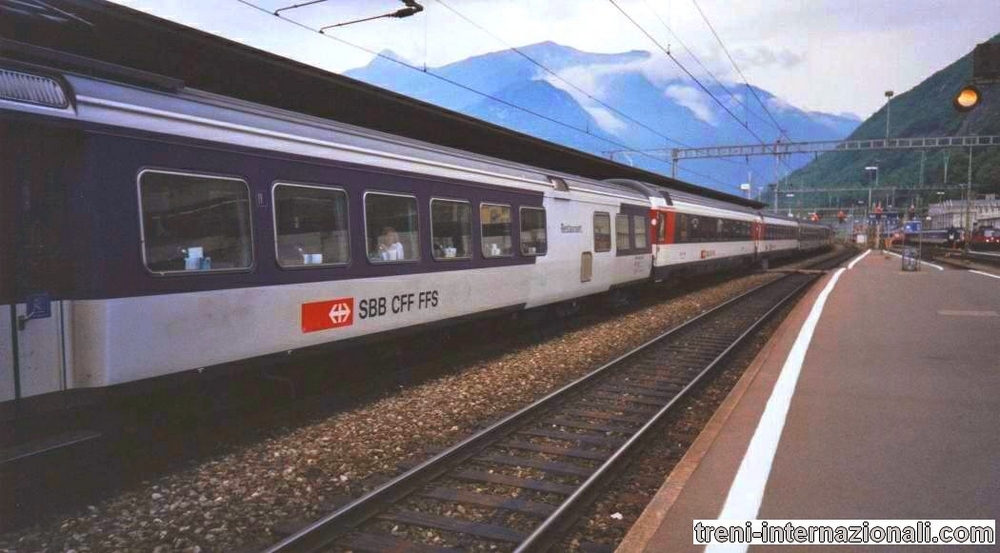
(606, 120)
(693, 99)
(589, 82)
(762, 56)
(594, 78)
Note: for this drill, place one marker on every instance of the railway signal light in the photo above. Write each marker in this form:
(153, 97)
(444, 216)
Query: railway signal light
(985, 71)
(967, 98)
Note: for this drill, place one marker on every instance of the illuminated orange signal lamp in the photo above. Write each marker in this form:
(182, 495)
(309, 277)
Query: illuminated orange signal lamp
(967, 98)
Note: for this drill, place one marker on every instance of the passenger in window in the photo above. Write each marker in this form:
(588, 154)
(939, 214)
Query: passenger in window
(389, 246)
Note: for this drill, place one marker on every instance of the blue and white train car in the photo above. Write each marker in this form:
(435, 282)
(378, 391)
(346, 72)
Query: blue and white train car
(151, 230)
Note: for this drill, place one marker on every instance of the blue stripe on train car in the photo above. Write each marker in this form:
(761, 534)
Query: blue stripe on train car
(109, 257)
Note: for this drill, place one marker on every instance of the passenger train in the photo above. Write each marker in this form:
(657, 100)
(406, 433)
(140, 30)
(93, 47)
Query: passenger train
(150, 230)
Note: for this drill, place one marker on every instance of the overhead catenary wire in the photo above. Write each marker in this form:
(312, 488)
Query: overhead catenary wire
(294, 6)
(691, 75)
(563, 80)
(739, 71)
(559, 77)
(412, 8)
(542, 66)
(479, 92)
(782, 133)
(686, 71)
(694, 57)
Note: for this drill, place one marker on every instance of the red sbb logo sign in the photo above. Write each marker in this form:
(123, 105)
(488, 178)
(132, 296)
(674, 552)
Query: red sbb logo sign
(324, 315)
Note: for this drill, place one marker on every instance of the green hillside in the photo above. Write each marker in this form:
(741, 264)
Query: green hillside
(925, 110)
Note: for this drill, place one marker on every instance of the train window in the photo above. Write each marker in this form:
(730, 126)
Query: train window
(661, 227)
(391, 227)
(495, 221)
(602, 232)
(451, 229)
(194, 223)
(639, 222)
(683, 232)
(622, 241)
(533, 233)
(310, 225)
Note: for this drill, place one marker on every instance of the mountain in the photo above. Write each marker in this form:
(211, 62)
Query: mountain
(924, 110)
(635, 84)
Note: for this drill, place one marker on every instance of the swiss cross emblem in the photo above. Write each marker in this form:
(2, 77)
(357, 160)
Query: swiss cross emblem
(324, 315)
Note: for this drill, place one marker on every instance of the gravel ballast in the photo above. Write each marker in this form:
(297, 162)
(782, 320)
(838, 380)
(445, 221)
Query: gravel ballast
(234, 501)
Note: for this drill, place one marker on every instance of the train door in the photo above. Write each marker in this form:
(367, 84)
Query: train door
(757, 237)
(36, 262)
(599, 240)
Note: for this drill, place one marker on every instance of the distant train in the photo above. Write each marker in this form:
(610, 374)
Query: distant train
(949, 237)
(150, 230)
(985, 239)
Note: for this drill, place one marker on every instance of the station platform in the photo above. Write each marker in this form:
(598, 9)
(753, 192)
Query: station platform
(878, 397)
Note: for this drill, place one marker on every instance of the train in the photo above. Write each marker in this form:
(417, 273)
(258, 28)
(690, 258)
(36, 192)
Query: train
(949, 237)
(150, 230)
(984, 239)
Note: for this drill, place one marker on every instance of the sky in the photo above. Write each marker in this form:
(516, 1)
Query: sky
(834, 56)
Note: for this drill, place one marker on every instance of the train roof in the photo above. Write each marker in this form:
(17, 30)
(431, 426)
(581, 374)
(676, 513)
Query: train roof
(202, 115)
(680, 198)
(163, 52)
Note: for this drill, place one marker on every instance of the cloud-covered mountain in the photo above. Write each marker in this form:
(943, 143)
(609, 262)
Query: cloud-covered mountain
(638, 87)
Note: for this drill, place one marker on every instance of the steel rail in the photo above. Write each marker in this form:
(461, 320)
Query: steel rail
(325, 531)
(556, 525)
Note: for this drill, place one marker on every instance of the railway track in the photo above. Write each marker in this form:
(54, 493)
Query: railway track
(962, 259)
(957, 258)
(521, 483)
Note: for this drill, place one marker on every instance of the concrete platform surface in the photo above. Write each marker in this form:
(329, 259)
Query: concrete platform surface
(895, 414)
